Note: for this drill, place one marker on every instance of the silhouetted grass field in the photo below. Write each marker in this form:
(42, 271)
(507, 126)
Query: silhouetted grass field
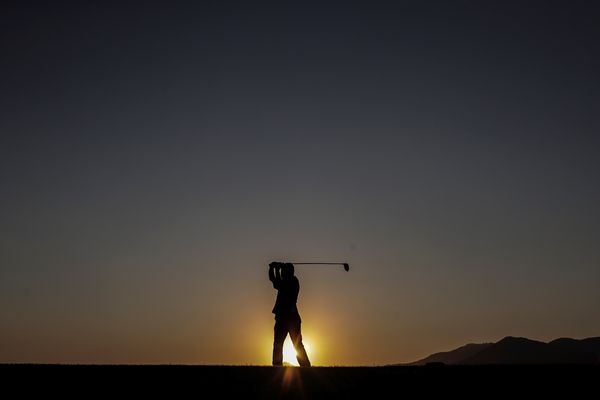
(317, 382)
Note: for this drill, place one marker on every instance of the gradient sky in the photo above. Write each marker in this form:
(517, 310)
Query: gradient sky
(154, 160)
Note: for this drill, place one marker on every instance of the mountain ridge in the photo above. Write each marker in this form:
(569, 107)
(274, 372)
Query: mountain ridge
(519, 350)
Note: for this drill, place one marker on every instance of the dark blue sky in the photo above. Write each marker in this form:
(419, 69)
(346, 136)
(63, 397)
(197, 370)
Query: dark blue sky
(155, 158)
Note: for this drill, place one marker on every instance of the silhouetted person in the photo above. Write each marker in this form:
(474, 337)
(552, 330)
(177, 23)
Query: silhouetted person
(287, 318)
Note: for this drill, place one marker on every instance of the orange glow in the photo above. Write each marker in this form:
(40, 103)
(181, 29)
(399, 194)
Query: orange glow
(291, 382)
(289, 353)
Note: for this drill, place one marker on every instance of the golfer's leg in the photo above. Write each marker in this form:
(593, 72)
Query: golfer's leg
(296, 336)
(279, 338)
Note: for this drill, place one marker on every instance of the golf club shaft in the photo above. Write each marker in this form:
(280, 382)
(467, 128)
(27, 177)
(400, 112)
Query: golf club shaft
(317, 263)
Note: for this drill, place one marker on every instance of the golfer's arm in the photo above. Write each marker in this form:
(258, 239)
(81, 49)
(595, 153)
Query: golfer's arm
(274, 277)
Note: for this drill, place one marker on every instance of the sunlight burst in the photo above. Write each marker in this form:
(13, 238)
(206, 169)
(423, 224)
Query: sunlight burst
(289, 353)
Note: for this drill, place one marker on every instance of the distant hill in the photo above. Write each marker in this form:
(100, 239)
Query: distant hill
(516, 350)
(455, 356)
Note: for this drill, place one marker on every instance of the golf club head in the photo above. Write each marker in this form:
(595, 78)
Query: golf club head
(346, 267)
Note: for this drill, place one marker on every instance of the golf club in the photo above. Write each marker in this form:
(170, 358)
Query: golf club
(346, 265)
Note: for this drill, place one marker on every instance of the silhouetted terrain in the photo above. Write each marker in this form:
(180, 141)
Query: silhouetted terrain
(514, 350)
(454, 356)
(207, 382)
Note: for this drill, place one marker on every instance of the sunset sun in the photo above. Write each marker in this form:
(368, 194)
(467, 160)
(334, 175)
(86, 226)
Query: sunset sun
(289, 353)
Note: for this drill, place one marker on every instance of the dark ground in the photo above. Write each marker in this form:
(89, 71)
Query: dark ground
(317, 382)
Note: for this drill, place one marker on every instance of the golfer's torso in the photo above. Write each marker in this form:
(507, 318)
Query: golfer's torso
(287, 296)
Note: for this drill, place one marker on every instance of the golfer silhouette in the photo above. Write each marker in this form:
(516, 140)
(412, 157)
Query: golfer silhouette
(287, 318)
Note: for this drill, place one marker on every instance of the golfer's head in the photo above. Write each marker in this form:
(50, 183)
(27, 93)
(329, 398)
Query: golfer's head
(287, 270)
